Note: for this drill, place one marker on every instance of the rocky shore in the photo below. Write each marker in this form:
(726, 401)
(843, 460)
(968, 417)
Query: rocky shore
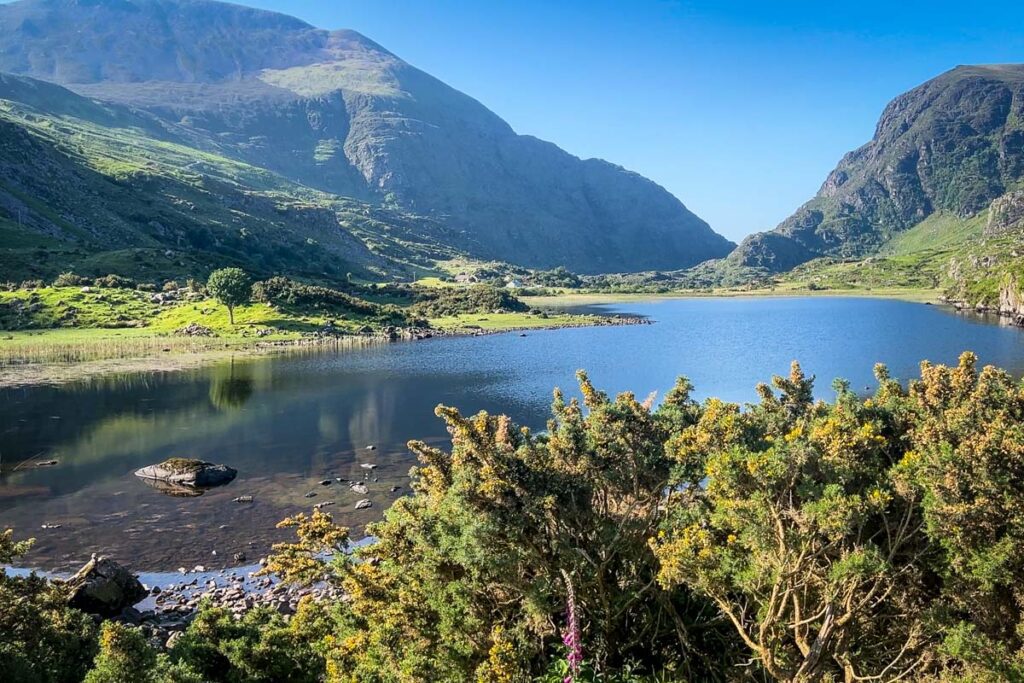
(168, 609)
(166, 603)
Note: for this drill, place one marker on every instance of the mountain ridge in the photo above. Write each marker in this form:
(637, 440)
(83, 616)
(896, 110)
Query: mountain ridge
(336, 112)
(954, 143)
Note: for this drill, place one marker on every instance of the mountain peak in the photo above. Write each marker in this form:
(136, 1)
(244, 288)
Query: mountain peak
(954, 144)
(338, 113)
(90, 41)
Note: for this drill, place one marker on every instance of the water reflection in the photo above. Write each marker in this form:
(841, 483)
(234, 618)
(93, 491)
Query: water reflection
(230, 389)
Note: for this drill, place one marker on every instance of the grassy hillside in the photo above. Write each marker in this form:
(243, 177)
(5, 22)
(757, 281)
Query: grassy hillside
(98, 189)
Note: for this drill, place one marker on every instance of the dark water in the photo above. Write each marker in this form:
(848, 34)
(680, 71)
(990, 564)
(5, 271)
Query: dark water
(287, 422)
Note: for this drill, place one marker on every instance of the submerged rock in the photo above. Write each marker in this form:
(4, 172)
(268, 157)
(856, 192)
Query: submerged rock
(188, 472)
(104, 587)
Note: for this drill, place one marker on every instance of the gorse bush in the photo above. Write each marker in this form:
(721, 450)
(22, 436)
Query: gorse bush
(864, 539)
(41, 639)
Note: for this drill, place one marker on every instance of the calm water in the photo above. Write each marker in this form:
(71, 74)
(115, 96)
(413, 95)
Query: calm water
(287, 422)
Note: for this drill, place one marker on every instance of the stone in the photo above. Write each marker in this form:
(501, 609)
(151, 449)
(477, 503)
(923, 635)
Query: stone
(364, 504)
(104, 587)
(188, 472)
(359, 487)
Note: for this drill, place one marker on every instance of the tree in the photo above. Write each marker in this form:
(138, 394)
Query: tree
(230, 286)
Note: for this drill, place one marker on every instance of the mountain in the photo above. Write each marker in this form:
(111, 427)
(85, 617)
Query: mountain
(953, 146)
(336, 113)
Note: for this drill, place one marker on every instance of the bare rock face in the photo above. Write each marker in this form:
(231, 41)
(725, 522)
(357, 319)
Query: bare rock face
(1011, 299)
(104, 587)
(1006, 214)
(188, 472)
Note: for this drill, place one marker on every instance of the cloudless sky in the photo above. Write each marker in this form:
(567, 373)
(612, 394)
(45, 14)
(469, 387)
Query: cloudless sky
(739, 109)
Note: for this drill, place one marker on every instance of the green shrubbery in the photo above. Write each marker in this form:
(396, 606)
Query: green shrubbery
(870, 538)
(439, 302)
(71, 280)
(41, 639)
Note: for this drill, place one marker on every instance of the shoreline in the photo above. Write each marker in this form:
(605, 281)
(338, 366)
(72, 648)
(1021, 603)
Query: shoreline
(163, 358)
(600, 298)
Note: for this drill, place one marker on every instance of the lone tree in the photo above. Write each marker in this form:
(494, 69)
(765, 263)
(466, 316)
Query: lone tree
(230, 286)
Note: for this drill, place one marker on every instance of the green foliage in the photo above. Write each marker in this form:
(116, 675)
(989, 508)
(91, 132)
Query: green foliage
(300, 298)
(438, 302)
(70, 280)
(230, 286)
(466, 581)
(114, 282)
(41, 639)
(259, 646)
(558, 277)
(126, 656)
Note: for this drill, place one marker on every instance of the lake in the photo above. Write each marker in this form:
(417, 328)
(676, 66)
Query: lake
(287, 422)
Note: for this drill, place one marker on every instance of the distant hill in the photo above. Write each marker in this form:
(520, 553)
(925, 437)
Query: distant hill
(952, 146)
(332, 112)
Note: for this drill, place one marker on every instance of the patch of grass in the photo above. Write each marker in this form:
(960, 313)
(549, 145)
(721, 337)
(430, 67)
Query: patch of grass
(85, 345)
(248, 319)
(74, 307)
(939, 232)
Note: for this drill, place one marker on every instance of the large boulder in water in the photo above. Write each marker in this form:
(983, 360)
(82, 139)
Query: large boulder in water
(188, 472)
(104, 587)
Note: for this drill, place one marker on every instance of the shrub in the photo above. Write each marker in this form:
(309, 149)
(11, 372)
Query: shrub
(437, 302)
(42, 640)
(114, 282)
(70, 280)
(259, 646)
(305, 299)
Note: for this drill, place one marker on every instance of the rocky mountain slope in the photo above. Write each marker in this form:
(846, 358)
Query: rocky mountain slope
(953, 146)
(334, 112)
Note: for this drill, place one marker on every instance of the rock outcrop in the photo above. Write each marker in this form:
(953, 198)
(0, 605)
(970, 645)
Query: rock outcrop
(1011, 300)
(1006, 214)
(104, 587)
(187, 472)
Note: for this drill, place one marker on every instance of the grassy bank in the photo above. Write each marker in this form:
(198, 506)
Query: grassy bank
(57, 334)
